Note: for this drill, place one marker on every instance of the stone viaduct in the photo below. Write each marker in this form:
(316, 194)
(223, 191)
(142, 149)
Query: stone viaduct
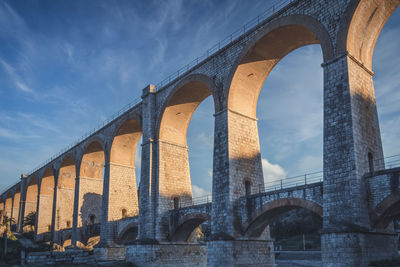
(90, 190)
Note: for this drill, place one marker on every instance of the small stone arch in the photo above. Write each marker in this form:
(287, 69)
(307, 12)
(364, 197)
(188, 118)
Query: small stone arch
(260, 218)
(264, 51)
(128, 234)
(385, 211)
(186, 226)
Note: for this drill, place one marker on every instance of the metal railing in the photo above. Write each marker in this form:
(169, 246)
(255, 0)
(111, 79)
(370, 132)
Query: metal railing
(299, 180)
(194, 201)
(232, 38)
(392, 161)
(249, 26)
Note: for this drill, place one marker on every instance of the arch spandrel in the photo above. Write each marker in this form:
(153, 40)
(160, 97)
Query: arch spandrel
(261, 54)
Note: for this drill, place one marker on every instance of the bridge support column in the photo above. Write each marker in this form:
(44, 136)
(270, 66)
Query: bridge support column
(75, 230)
(237, 160)
(54, 210)
(119, 193)
(147, 176)
(351, 139)
(20, 224)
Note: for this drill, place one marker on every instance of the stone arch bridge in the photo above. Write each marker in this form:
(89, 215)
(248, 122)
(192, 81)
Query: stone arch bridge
(90, 189)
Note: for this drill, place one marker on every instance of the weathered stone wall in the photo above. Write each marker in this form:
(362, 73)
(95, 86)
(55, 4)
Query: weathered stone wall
(382, 185)
(65, 208)
(90, 191)
(241, 253)
(167, 255)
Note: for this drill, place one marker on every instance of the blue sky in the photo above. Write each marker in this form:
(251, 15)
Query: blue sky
(65, 66)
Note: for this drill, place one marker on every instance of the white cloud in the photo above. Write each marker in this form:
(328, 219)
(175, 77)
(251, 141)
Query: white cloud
(199, 192)
(272, 172)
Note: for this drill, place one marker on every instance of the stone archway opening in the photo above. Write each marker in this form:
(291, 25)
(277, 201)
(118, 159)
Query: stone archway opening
(45, 210)
(293, 223)
(192, 228)
(31, 204)
(91, 183)
(174, 170)
(280, 110)
(65, 194)
(123, 191)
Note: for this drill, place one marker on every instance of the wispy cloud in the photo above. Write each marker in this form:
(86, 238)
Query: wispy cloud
(272, 172)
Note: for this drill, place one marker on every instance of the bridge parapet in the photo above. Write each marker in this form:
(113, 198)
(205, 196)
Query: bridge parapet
(382, 184)
(301, 196)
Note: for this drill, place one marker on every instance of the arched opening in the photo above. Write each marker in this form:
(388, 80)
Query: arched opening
(277, 77)
(92, 219)
(174, 170)
(371, 162)
(16, 204)
(45, 210)
(65, 194)
(31, 204)
(247, 185)
(283, 138)
(290, 219)
(91, 184)
(365, 24)
(191, 228)
(124, 213)
(129, 234)
(123, 190)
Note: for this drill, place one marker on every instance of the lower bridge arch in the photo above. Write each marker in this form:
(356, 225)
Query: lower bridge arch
(270, 211)
(186, 225)
(384, 212)
(128, 234)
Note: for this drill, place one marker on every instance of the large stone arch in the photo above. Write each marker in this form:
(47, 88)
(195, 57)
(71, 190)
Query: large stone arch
(91, 182)
(128, 234)
(172, 124)
(46, 195)
(187, 225)
(31, 197)
(123, 197)
(256, 60)
(270, 211)
(384, 212)
(358, 32)
(65, 193)
(360, 27)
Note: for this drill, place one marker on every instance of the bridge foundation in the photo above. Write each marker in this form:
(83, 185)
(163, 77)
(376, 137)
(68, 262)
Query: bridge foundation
(240, 253)
(166, 254)
(356, 249)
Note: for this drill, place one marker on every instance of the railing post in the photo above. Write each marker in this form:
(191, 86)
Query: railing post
(305, 179)
(281, 184)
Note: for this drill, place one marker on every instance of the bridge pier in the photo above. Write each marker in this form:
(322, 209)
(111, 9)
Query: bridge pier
(351, 142)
